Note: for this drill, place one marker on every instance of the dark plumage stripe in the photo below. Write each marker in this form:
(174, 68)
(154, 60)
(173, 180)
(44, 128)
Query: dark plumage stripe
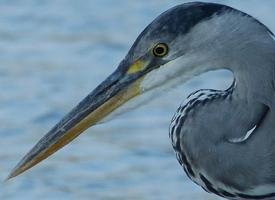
(226, 194)
(190, 170)
(187, 166)
(208, 185)
(246, 196)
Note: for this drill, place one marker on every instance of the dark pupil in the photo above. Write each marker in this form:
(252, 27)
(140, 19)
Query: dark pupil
(159, 50)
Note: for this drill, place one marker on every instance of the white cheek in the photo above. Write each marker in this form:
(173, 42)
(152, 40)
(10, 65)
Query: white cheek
(175, 72)
(158, 81)
(154, 85)
(160, 76)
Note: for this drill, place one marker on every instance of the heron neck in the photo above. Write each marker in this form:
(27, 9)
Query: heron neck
(209, 126)
(254, 82)
(253, 66)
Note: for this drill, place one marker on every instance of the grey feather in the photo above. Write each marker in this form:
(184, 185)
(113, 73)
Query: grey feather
(209, 132)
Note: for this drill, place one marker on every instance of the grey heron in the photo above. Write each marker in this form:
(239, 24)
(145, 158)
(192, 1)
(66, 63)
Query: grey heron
(224, 140)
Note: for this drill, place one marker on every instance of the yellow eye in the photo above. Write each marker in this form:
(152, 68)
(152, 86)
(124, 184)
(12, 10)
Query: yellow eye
(160, 50)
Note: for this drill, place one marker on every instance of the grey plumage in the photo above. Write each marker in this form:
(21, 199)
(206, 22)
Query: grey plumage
(224, 140)
(205, 131)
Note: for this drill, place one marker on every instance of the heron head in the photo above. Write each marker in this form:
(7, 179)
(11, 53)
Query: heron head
(165, 52)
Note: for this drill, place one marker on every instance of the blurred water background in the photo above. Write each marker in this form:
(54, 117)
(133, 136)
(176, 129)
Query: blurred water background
(52, 54)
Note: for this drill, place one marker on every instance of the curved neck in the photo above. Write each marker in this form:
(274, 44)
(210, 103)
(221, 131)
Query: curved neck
(241, 45)
(208, 109)
(206, 129)
(253, 67)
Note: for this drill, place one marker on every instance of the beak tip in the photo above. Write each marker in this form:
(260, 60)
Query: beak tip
(15, 172)
(7, 179)
(12, 174)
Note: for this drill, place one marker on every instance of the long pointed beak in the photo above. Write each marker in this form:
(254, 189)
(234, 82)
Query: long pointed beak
(109, 95)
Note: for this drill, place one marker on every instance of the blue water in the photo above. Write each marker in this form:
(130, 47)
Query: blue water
(53, 53)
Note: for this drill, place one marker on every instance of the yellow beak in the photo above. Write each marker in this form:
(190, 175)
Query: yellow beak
(109, 95)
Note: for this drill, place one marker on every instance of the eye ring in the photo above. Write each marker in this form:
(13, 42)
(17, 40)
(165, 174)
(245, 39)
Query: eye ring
(160, 50)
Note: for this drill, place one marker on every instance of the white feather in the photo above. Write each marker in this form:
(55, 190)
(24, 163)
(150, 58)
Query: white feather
(245, 137)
